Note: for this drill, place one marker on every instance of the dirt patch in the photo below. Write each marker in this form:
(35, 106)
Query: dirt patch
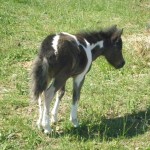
(27, 65)
(140, 43)
(145, 5)
(3, 91)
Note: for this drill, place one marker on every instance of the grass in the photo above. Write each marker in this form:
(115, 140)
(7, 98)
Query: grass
(114, 110)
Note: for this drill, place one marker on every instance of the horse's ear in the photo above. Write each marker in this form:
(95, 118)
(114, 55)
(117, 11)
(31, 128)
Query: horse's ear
(113, 28)
(116, 35)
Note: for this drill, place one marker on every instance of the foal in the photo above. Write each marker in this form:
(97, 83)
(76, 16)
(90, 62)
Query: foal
(64, 55)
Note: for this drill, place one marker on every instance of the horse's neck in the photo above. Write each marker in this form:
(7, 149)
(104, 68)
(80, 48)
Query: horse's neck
(95, 43)
(96, 49)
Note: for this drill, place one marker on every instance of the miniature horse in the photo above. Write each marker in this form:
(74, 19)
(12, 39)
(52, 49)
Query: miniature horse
(64, 55)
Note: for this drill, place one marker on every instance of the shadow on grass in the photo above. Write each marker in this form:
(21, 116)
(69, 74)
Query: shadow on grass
(127, 126)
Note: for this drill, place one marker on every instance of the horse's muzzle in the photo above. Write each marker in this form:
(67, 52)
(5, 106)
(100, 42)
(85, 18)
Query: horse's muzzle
(120, 65)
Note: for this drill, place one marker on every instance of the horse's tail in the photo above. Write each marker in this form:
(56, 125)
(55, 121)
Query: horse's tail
(39, 76)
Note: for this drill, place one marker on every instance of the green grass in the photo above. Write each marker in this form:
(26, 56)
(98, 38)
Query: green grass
(114, 109)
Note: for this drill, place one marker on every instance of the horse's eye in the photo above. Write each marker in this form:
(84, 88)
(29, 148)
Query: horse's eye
(116, 43)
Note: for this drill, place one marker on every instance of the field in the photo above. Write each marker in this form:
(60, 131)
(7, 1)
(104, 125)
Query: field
(114, 109)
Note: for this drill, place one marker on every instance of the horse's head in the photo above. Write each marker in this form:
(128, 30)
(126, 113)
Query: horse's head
(113, 48)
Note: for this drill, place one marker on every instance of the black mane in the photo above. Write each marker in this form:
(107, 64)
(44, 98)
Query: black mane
(93, 36)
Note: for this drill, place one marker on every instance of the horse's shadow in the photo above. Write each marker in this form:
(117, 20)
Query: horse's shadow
(127, 126)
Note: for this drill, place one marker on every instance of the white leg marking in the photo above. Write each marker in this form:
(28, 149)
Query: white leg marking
(46, 116)
(73, 115)
(79, 78)
(55, 109)
(55, 43)
(39, 122)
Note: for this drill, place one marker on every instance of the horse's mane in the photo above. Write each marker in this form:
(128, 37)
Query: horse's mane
(92, 36)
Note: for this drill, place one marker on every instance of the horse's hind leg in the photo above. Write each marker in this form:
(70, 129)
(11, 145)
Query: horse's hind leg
(59, 96)
(49, 95)
(39, 122)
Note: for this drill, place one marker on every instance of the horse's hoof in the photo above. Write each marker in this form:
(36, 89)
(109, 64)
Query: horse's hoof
(48, 131)
(75, 123)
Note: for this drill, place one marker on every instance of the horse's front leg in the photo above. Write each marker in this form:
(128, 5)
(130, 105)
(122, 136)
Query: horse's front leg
(77, 85)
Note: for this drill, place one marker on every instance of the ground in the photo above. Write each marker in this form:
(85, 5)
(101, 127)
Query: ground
(114, 110)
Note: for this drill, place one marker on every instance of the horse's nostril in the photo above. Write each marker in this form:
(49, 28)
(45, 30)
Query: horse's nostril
(123, 63)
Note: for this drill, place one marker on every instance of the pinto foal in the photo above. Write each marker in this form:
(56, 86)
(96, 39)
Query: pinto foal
(64, 55)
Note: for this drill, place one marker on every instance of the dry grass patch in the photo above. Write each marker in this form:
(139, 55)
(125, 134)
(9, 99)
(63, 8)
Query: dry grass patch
(140, 43)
